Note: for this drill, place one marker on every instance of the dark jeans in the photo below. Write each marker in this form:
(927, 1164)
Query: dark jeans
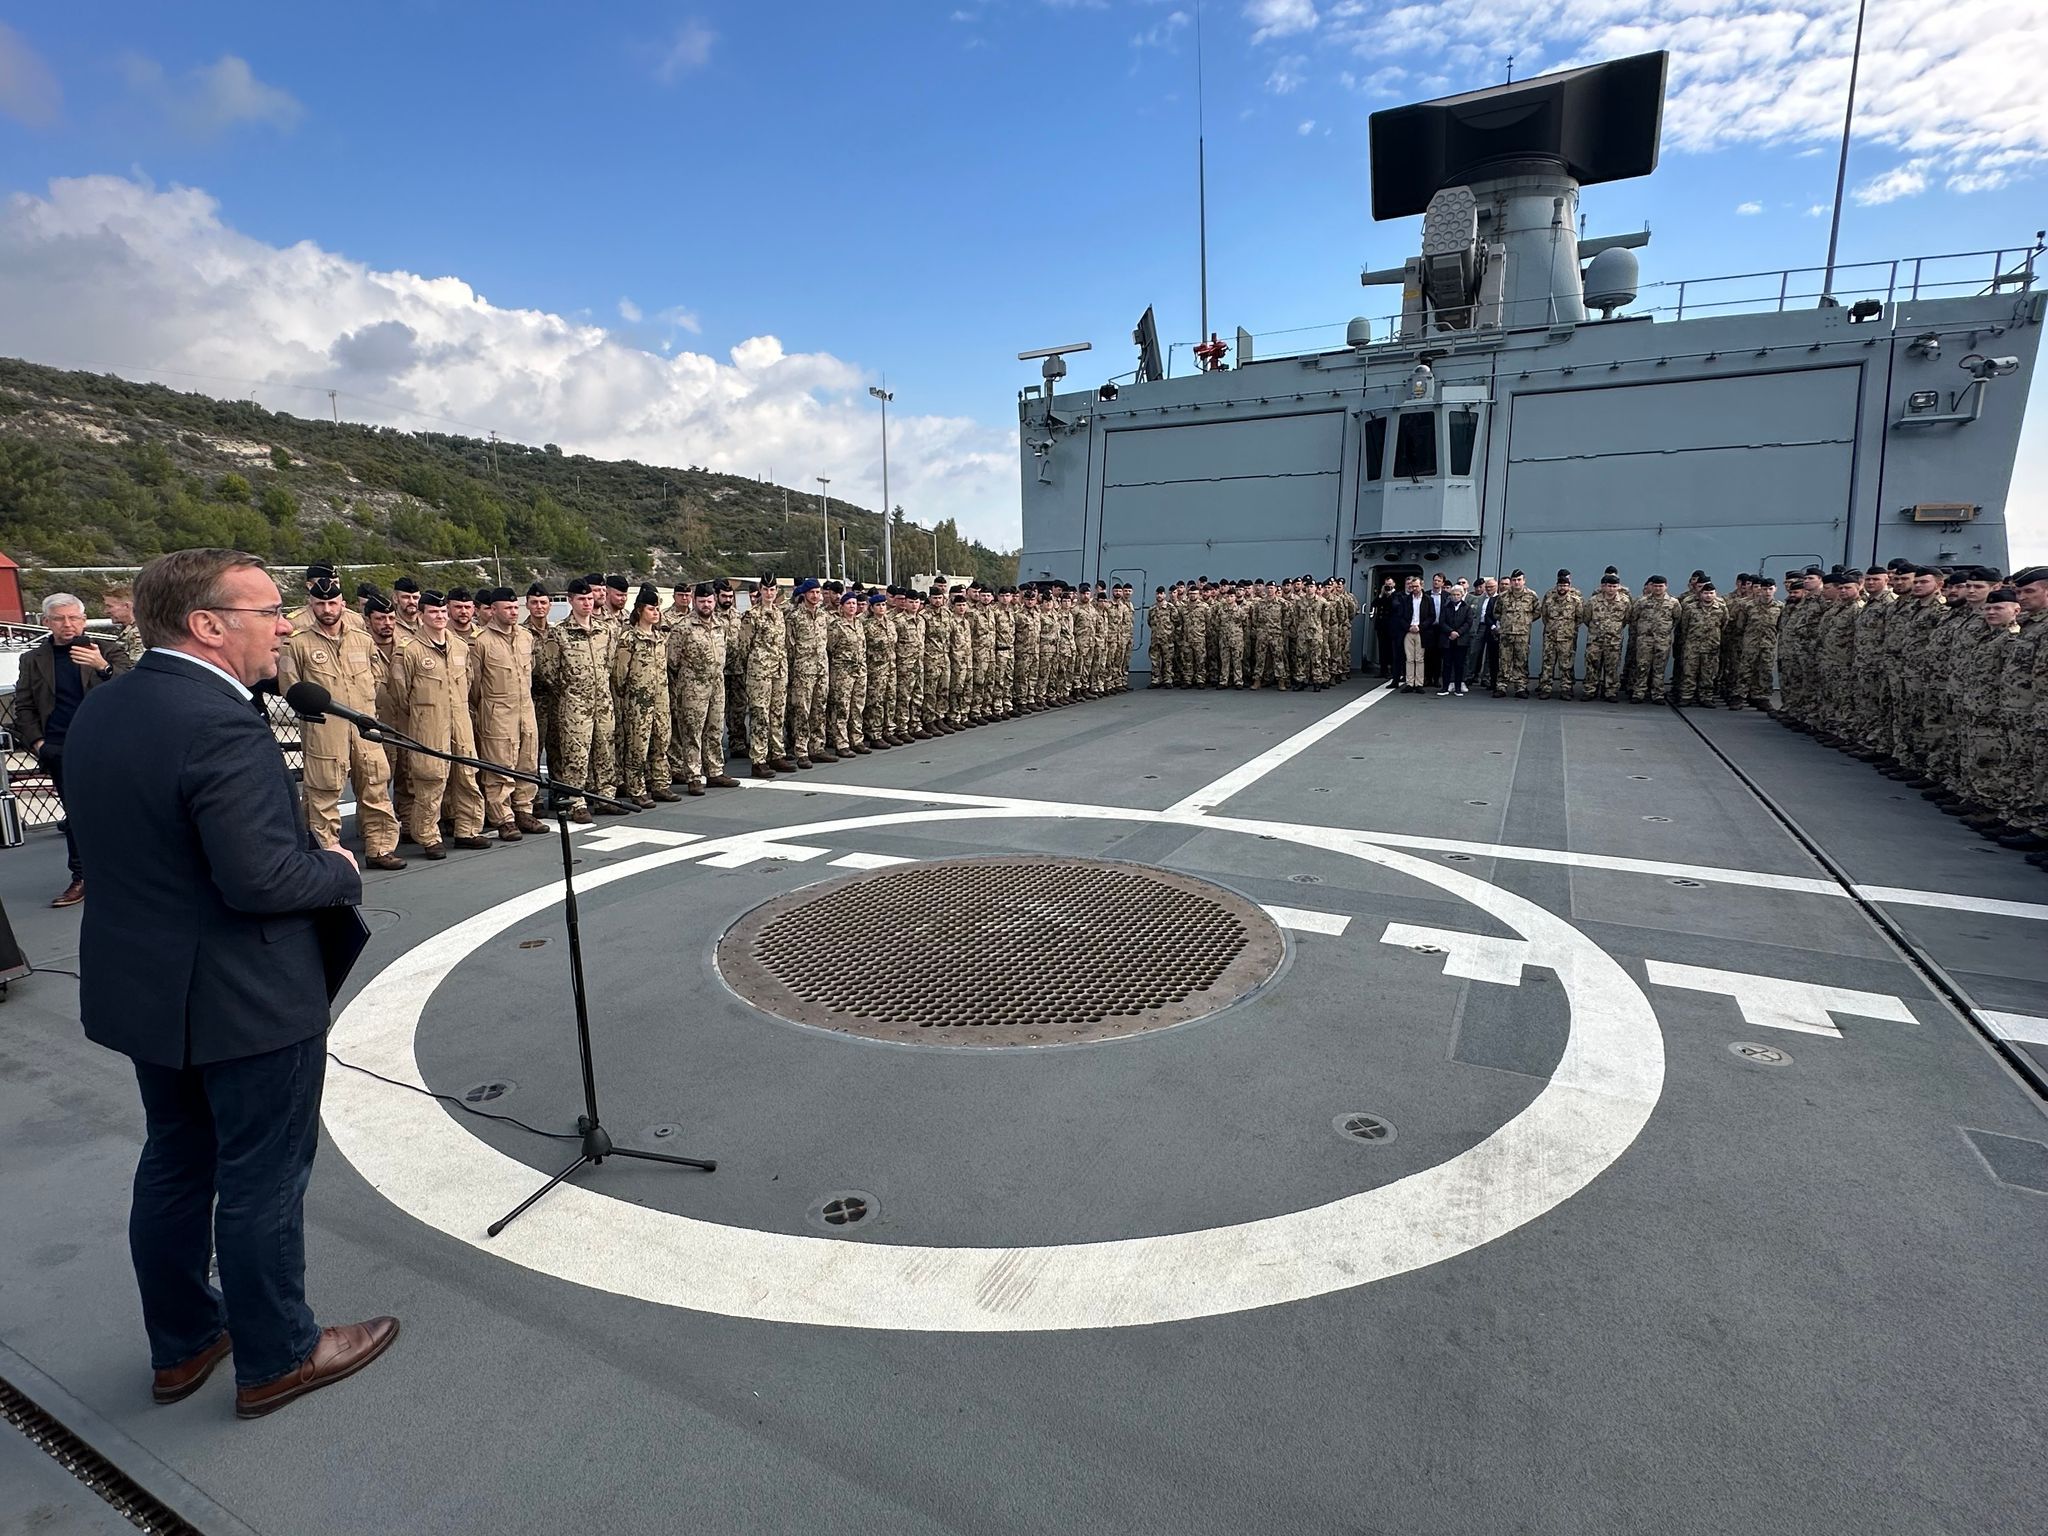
(52, 763)
(1454, 666)
(1488, 647)
(1432, 664)
(244, 1131)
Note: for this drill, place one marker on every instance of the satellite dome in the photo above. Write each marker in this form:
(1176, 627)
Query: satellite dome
(1358, 333)
(1611, 280)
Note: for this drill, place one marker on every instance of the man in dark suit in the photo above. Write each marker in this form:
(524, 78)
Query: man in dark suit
(54, 679)
(1485, 652)
(216, 936)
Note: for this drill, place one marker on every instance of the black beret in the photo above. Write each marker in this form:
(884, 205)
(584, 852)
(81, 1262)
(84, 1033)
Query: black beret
(366, 589)
(2032, 574)
(596, 580)
(320, 568)
(460, 595)
(1654, 581)
(616, 583)
(2002, 595)
(1852, 575)
(767, 578)
(1699, 575)
(537, 590)
(405, 584)
(1514, 573)
(722, 585)
(702, 589)
(432, 599)
(1610, 580)
(648, 596)
(1564, 576)
(1898, 563)
(1707, 586)
(322, 586)
(579, 587)
(376, 602)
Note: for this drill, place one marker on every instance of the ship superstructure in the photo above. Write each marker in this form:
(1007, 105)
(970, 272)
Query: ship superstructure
(1532, 405)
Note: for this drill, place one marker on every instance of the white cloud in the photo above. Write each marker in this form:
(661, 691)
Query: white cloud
(1163, 33)
(1900, 181)
(629, 312)
(29, 93)
(688, 50)
(109, 273)
(1957, 86)
(1748, 210)
(1819, 210)
(1306, 127)
(1287, 76)
(206, 102)
(1280, 18)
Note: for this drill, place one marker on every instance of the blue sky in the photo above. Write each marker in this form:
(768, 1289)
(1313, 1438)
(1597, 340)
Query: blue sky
(633, 198)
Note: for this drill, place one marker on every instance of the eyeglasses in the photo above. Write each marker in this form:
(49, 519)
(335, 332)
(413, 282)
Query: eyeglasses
(274, 612)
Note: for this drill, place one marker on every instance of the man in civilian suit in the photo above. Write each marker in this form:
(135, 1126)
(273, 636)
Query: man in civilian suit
(1485, 652)
(1414, 625)
(1433, 629)
(206, 956)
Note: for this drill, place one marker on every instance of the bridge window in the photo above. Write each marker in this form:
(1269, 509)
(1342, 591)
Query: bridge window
(1464, 434)
(1415, 445)
(1375, 446)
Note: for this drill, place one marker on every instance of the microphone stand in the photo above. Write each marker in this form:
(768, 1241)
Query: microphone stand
(596, 1142)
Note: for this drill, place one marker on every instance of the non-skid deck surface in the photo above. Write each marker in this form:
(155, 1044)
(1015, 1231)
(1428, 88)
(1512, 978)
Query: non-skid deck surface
(1607, 1273)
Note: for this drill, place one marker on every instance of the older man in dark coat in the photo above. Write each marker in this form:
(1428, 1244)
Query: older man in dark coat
(215, 938)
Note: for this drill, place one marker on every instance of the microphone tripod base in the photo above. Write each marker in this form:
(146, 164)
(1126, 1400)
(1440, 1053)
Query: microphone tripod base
(597, 1146)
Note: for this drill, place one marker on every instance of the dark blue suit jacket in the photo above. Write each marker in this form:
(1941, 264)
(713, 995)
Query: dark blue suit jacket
(202, 938)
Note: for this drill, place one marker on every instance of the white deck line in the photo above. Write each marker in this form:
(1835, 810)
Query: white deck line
(1605, 863)
(1242, 777)
(2020, 1028)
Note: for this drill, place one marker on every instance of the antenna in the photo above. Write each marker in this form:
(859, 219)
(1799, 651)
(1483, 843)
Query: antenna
(1511, 69)
(1201, 171)
(1827, 282)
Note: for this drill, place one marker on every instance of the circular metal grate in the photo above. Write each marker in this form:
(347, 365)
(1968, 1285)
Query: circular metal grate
(1001, 951)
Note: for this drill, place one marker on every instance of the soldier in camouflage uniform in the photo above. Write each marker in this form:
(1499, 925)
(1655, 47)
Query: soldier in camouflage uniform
(1305, 637)
(1653, 624)
(981, 636)
(2024, 709)
(1907, 632)
(1005, 689)
(1162, 641)
(808, 669)
(909, 715)
(1699, 667)
(1229, 618)
(696, 681)
(640, 688)
(1560, 611)
(1516, 611)
(1868, 718)
(120, 606)
(959, 660)
(764, 662)
(1605, 617)
(538, 605)
(1191, 629)
(1981, 784)
(1087, 641)
(1758, 659)
(1268, 640)
(728, 615)
(1835, 658)
(938, 661)
(1731, 642)
(575, 664)
(877, 724)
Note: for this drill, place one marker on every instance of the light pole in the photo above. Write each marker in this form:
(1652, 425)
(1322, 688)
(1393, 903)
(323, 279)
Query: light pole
(824, 511)
(888, 553)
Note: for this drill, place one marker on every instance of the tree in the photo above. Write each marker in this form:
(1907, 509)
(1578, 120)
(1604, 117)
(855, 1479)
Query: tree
(280, 458)
(233, 488)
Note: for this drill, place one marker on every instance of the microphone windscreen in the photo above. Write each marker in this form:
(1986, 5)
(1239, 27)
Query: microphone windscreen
(307, 698)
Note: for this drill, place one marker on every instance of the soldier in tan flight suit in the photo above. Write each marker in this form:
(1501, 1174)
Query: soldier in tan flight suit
(341, 659)
(501, 694)
(429, 684)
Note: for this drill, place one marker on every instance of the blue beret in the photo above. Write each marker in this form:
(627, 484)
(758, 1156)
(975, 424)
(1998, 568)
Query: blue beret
(877, 597)
(808, 584)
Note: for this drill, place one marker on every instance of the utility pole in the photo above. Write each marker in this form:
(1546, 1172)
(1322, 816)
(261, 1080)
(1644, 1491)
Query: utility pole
(334, 404)
(888, 553)
(825, 511)
(1201, 182)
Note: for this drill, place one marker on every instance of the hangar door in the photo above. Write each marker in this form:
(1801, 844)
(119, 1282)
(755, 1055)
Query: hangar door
(1256, 499)
(1717, 473)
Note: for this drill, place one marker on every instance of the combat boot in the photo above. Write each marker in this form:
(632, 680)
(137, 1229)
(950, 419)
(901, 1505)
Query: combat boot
(782, 765)
(723, 781)
(824, 757)
(478, 844)
(666, 794)
(508, 832)
(580, 816)
(525, 821)
(602, 808)
(763, 771)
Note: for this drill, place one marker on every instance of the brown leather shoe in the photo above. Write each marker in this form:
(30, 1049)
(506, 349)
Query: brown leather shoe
(603, 809)
(723, 781)
(526, 821)
(338, 1354)
(805, 762)
(71, 895)
(508, 832)
(580, 817)
(476, 844)
(763, 771)
(824, 757)
(782, 764)
(692, 788)
(188, 1376)
(436, 851)
(384, 861)
(667, 796)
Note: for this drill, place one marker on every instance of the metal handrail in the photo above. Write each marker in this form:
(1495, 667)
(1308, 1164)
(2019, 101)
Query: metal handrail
(1905, 277)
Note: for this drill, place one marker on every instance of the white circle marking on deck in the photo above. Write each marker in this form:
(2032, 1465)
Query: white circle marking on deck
(1599, 1097)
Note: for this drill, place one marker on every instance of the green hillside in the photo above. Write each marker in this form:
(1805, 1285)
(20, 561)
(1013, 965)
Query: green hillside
(97, 471)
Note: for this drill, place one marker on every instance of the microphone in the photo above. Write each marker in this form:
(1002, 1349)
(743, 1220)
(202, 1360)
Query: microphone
(309, 701)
